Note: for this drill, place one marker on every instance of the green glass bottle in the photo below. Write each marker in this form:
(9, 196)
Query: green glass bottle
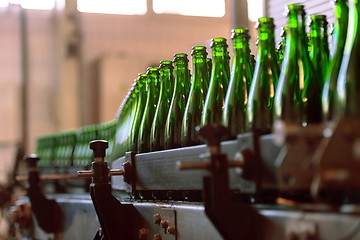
(178, 101)
(281, 45)
(297, 97)
(252, 63)
(219, 80)
(45, 150)
(233, 115)
(339, 38)
(107, 131)
(125, 113)
(64, 149)
(196, 100)
(153, 89)
(141, 101)
(319, 47)
(266, 75)
(158, 129)
(83, 155)
(209, 67)
(348, 87)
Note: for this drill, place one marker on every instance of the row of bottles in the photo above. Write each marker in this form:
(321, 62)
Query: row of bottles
(71, 148)
(298, 82)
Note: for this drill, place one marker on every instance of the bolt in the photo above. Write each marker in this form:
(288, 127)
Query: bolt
(143, 234)
(157, 218)
(157, 237)
(171, 230)
(164, 223)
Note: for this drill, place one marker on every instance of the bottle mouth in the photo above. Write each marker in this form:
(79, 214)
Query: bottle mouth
(152, 70)
(180, 56)
(165, 63)
(218, 41)
(318, 18)
(295, 7)
(196, 49)
(237, 32)
(265, 21)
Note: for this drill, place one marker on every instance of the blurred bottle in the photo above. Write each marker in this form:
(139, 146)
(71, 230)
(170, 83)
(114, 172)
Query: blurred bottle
(196, 100)
(319, 47)
(233, 115)
(219, 81)
(107, 131)
(141, 101)
(339, 38)
(157, 139)
(153, 89)
(297, 97)
(64, 149)
(266, 75)
(348, 87)
(45, 148)
(281, 46)
(125, 113)
(83, 155)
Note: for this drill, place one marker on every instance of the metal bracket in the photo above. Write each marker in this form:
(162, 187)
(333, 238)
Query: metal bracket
(114, 217)
(233, 219)
(47, 211)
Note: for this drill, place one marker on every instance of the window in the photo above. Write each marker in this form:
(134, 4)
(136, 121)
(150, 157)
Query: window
(255, 9)
(30, 4)
(203, 8)
(126, 7)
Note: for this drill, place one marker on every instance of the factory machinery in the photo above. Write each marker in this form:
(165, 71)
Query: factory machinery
(296, 183)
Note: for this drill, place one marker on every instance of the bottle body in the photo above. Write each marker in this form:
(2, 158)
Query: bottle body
(153, 88)
(262, 91)
(197, 96)
(215, 97)
(157, 140)
(141, 102)
(339, 38)
(233, 115)
(178, 102)
(348, 86)
(319, 47)
(297, 97)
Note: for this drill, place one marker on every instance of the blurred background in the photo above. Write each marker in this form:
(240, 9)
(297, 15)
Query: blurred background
(69, 63)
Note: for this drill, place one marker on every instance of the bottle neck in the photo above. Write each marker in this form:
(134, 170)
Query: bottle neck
(199, 68)
(181, 76)
(341, 24)
(353, 27)
(241, 49)
(266, 42)
(296, 37)
(165, 79)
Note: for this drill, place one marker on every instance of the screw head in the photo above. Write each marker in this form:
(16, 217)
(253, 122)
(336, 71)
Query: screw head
(164, 223)
(157, 218)
(171, 230)
(143, 234)
(157, 237)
